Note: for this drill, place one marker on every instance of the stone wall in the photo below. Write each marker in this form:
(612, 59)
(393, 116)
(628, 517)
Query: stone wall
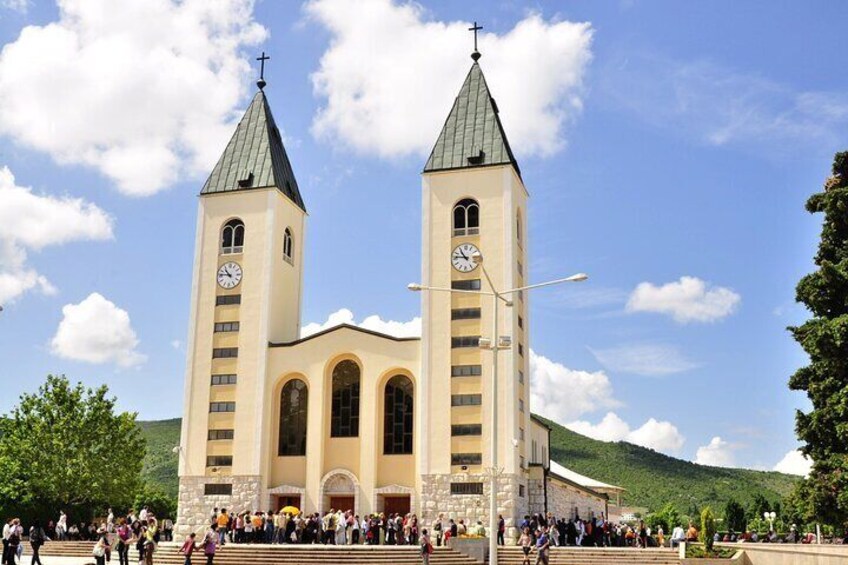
(436, 498)
(564, 500)
(194, 508)
(536, 496)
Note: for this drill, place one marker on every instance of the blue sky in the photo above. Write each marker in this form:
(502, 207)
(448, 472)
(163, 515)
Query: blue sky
(658, 140)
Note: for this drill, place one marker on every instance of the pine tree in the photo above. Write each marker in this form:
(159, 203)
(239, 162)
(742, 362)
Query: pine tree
(824, 429)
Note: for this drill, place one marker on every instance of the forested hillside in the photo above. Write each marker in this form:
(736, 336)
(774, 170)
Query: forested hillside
(651, 479)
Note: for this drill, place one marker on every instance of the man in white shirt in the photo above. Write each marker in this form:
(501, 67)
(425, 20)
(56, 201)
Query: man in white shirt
(7, 532)
(677, 536)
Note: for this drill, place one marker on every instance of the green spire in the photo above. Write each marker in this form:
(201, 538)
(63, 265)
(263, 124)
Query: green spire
(472, 135)
(255, 157)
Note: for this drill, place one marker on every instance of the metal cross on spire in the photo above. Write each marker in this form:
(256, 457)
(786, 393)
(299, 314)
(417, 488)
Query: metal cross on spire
(261, 82)
(476, 55)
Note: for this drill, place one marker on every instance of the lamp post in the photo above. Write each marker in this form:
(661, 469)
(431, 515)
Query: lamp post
(770, 516)
(495, 343)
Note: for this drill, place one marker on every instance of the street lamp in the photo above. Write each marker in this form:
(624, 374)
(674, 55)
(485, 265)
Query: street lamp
(770, 516)
(495, 343)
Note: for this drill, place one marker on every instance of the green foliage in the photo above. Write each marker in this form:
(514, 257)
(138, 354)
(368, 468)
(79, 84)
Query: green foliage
(824, 338)
(653, 480)
(758, 506)
(160, 461)
(708, 528)
(668, 518)
(162, 504)
(734, 516)
(66, 448)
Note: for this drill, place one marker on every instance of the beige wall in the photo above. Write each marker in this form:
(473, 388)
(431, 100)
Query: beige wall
(270, 309)
(500, 193)
(792, 554)
(312, 360)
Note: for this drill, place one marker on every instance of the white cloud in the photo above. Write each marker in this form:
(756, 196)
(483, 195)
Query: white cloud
(560, 393)
(412, 328)
(176, 344)
(657, 435)
(718, 453)
(721, 106)
(144, 92)
(794, 463)
(29, 222)
(643, 359)
(686, 300)
(96, 331)
(390, 74)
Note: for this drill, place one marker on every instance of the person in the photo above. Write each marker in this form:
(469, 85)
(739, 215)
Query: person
(101, 548)
(62, 526)
(643, 535)
(543, 545)
(150, 537)
(660, 536)
(501, 529)
(526, 543)
(692, 533)
(124, 537)
(7, 531)
(168, 529)
(426, 547)
(677, 536)
(37, 537)
(437, 528)
(189, 546)
(209, 543)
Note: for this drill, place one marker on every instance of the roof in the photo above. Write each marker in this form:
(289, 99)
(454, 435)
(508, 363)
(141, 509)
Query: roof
(255, 157)
(541, 422)
(472, 135)
(342, 326)
(582, 480)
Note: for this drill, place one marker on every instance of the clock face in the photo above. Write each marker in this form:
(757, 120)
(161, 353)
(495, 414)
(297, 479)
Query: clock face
(229, 275)
(461, 257)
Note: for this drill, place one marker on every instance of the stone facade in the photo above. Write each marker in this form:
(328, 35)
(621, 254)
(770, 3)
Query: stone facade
(195, 507)
(569, 501)
(436, 498)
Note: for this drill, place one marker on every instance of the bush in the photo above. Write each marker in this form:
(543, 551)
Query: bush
(708, 528)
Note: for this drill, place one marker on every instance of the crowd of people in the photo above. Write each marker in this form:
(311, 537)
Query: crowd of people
(141, 531)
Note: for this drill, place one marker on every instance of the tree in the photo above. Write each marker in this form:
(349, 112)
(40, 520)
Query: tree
(824, 337)
(734, 516)
(162, 505)
(668, 518)
(759, 505)
(66, 448)
(708, 528)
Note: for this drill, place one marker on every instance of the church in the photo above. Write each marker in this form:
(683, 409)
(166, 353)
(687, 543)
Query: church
(349, 418)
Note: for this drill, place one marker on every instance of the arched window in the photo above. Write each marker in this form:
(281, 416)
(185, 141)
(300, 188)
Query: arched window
(344, 421)
(232, 237)
(397, 421)
(466, 217)
(288, 246)
(293, 412)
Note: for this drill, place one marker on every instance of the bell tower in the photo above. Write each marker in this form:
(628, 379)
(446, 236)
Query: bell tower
(246, 291)
(473, 199)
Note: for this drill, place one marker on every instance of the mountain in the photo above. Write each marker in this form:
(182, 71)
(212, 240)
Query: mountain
(160, 461)
(651, 479)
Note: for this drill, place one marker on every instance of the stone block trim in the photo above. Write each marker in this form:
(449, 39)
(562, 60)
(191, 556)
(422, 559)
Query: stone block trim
(194, 508)
(436, 498)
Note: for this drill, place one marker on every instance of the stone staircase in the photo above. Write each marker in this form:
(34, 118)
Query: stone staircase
(512, 555)
(238, 554)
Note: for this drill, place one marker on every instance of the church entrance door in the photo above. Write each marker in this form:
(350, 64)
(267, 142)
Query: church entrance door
(284, 500)
(396, 504)
(343, 503)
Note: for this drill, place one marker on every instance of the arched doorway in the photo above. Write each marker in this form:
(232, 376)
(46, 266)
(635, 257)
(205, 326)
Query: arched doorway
(339, 491)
